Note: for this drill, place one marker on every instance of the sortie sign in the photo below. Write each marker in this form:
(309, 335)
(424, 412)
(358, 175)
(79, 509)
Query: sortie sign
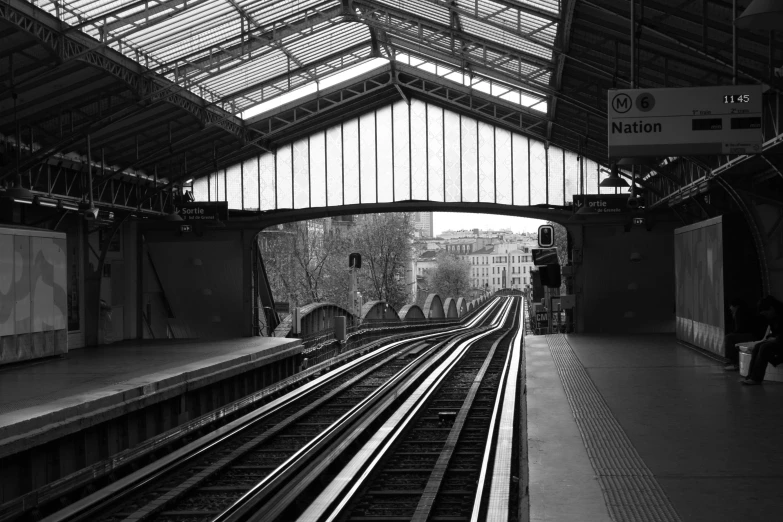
(602, 203)
(203, 211)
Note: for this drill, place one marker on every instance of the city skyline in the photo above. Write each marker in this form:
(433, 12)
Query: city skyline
(444, 221)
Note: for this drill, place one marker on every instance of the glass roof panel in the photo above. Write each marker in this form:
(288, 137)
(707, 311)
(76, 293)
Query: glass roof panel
(241, 53)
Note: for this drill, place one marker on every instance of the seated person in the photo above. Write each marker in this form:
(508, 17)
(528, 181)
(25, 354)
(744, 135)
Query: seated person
(743, 331)
(770, 349)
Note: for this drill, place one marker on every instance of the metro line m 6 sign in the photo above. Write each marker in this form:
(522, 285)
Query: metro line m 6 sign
(684, 121)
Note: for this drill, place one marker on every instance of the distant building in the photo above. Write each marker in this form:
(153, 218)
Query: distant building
(422, 221)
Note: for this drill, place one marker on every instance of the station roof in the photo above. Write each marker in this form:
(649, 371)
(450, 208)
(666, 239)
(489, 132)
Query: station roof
(181, 87)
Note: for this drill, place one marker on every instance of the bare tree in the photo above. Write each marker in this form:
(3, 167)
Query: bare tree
(298, 258)
(384, 241)
(451, 276)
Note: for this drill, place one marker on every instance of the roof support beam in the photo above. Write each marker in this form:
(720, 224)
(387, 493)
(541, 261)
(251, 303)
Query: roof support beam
(564, 35)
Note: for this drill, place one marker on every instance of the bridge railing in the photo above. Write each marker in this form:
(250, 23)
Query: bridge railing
(322, 346)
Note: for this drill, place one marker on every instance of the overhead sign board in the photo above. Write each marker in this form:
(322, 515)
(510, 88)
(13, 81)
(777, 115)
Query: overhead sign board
(684, 121)
(203, 211)
(601, 203)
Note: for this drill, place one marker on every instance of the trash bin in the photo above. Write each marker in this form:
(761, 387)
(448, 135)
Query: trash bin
(745, 354)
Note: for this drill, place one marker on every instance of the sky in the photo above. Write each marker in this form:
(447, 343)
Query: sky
(442, 221)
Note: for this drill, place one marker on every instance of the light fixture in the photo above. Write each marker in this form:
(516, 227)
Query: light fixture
(635, 257)
(45, 202)
(173, 216)
(613, 180)
(763, 15)
(19, 193)
(65, 205)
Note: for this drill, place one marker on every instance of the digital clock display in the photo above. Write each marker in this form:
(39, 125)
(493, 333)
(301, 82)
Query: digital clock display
(736, 98)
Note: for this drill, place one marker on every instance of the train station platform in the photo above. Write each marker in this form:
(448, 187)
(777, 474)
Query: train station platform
(639, 427)
(43, 397)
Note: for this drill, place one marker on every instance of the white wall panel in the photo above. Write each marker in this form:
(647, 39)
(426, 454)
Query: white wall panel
(317, 170)
(486, 162)
(402, 187)
(201, 189)
(285, 165)
(367, 157)
(503, 165)
(266, 181)
(301, 170)
(556, 179)
(572, 176)
(453, 156)
(351, 161)
(521, 182)
(435, 152)
(384, 150)
(468, 139)
(334, 166)
(250, 183)
(537, 173)
(234, 186)
(419, 149)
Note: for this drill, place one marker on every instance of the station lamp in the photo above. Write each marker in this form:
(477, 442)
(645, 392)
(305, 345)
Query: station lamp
(762, 15)
(614, 179)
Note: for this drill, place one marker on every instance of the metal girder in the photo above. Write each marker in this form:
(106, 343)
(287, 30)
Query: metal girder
(532, 87)
(63, 182)
(685, 46)
(145, 87)
(564, 33)
(398, 21)
(298, 72)
(309, 21)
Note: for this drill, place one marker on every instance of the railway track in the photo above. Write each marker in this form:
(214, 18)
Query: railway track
(253, 461)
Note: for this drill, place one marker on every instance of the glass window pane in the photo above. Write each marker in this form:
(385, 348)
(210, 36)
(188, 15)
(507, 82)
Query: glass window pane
(266, 179)
(201, 189)
(334, 166)
(234, 186)
(556, 176)
(221, 185)
(213, 183)
(383, 123)
(503, 165)
(250, 184)
(519, 153)
(351, 161)
(435, 152)
(301, 171)
(317, 170)
(284, 177)
(367, 157)
(402, 190)
(591, 177)
(572, 176)
(469, 128)
(537, 172)
(486, 162)
(453, 156)
(419, 149)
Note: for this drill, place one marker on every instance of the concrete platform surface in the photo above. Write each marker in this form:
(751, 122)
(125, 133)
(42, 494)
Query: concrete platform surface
(35, 394)
(668, 434)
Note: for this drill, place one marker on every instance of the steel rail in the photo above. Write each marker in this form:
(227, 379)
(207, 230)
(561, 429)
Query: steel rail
(88, 507)
(277, 497)
(330, 503)
(499, 443)
(435, 482)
